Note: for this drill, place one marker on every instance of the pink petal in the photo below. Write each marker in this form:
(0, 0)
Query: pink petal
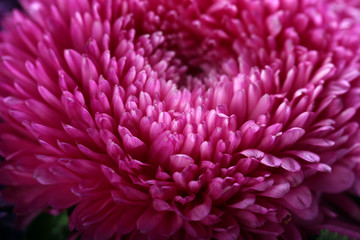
(305, 155)
(290, 137)
(179, 161)
(290, 164)
(271, 161)
(200, 211)
(299, 198)
(149, 220)
(339, 180)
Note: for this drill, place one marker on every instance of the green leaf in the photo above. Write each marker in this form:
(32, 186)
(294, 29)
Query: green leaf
(46, 226)
(327, 235)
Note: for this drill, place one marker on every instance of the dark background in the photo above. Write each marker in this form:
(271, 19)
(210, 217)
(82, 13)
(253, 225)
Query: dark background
(7, 218)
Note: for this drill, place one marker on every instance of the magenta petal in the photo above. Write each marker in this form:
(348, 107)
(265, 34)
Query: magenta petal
(291, 233)
(308, 213)
(134, 145)
(318, 142)
(278, 190)
(305, 155)
(128, 219)
(299, 198)
(169, 225)
(290, 137)
(200, 211)
(253, 153)
(46, 175)
(245, 202)
(269, 229)
(107, 227)
(179, 161)
(338, 180)
(290, 164)
(63, 198)
(271, 161)
(230, 231)
(248, 219)
(149, 220)
(196, 230)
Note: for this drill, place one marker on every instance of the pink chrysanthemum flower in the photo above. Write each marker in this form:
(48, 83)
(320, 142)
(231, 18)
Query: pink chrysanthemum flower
(169, 119)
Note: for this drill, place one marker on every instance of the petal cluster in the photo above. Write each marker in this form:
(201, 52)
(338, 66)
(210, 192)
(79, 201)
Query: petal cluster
(228, 119)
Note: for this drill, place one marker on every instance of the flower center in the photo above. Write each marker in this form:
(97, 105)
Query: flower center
(196, 56)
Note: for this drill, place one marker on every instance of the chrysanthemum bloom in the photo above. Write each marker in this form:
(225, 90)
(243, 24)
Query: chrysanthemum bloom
(158, 119)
